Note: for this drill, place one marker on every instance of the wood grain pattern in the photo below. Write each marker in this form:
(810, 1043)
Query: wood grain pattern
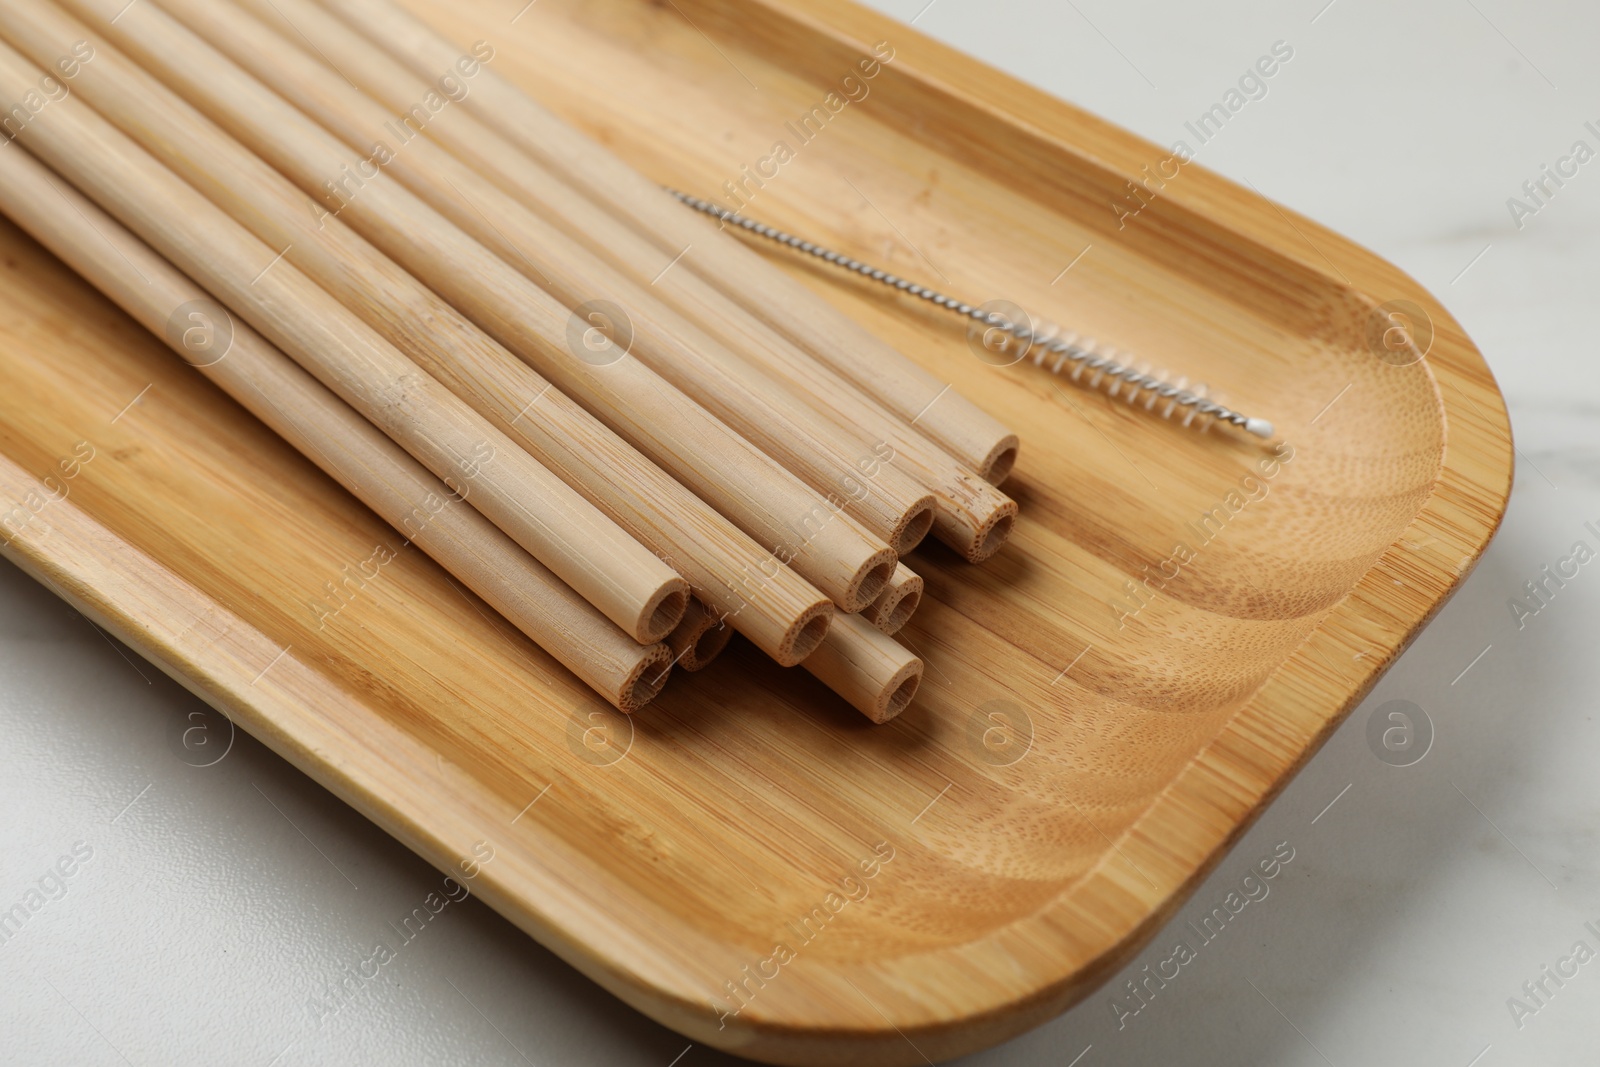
(674, 851)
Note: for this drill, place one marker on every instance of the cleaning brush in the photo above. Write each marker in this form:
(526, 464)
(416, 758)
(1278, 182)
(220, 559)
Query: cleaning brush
(1052, 348)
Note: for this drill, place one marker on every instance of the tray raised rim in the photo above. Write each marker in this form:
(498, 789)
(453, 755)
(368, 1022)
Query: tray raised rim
(1263, 746)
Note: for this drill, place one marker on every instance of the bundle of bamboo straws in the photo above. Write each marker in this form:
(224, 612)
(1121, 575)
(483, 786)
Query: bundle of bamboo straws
(425, 304)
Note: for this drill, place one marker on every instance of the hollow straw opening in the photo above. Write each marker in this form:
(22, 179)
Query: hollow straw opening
(646, 680)
(997, 468)
(901, 610)
(916, 527)
(664, 614)
(708, 646)
(806, 635)
(900, 697)
(871, 581)
(996, 534)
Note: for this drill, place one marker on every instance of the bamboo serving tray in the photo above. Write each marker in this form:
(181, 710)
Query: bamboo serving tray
(749, 861)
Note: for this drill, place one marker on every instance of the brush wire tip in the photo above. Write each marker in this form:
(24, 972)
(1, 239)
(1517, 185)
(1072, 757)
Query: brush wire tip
(1260, 427)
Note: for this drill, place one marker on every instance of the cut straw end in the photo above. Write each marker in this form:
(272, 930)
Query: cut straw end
(897, 603)
(699, 638)
(870, 670)
(662, 612)
(977, 535)
(805, 635)
(645, 682)
(707, 647)
(916, 526)
(869, 580)
(998, 464)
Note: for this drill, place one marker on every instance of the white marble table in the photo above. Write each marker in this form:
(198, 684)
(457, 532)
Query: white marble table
(209, 908)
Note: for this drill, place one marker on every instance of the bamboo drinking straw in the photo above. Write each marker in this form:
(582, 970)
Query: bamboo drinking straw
(347, 447)
(822, 451)
(870, 669)
(823, 545)
(699, 638)
(771, 605)
(535, 508)
(965, 430)
(974, 518)
(897, 603)
(873, 673)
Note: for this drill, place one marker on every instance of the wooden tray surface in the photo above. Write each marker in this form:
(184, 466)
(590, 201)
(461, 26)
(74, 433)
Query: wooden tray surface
(1066, 776)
